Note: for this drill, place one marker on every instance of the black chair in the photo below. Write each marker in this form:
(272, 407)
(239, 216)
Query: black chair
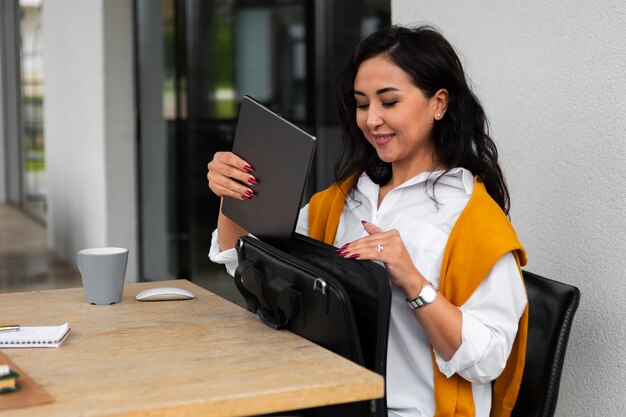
(552, 306)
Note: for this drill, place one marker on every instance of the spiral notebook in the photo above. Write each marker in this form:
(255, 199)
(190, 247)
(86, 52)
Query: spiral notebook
(35, 336)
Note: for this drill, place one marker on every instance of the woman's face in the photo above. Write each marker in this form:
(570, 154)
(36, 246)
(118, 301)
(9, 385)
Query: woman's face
(394, 115)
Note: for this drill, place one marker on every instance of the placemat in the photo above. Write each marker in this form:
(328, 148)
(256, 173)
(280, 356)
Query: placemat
(30, 393)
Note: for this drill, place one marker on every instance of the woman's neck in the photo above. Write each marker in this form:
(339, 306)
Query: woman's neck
(401, 173)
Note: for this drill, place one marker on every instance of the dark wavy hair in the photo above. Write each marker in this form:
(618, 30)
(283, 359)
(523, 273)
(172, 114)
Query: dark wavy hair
(461, 138)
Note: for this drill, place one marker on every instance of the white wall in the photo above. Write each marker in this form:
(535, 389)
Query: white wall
(552, 78)
(89, 125)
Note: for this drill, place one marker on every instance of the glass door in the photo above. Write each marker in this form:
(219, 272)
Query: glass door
(22, 99)
(196, 60)
(256, 48)
(32, 77)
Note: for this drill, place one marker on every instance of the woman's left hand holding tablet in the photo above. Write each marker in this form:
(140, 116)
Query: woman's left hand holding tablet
(228, 175)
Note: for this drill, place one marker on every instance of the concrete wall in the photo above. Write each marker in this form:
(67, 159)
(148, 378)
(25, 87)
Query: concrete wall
(551, 76)
(90, 126)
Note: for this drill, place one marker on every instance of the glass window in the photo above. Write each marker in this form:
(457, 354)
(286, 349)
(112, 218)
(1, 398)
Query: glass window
(33, 145)
(197, 59)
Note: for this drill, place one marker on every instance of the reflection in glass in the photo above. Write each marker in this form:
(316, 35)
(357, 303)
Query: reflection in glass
(197, 59)
(34, 174)
(253, 49)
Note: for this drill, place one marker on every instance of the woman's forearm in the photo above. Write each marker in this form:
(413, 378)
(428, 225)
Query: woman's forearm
(228, 231)
(442, 322)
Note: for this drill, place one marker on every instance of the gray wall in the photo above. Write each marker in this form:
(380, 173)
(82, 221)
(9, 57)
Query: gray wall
(552, 78)
(90, 126)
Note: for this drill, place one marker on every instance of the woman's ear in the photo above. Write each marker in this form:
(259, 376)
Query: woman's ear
(440, 100)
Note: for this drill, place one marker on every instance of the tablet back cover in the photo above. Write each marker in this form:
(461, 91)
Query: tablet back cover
(281, 155)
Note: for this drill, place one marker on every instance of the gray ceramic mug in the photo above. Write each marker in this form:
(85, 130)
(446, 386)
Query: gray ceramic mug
(103, 271)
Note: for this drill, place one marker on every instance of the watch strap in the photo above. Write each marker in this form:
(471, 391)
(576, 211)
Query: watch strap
(420, 300)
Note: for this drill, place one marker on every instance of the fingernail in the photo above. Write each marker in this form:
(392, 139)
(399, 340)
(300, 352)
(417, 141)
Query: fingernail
(355, 256)
(249, 194)
(252, 181)
(345, 246)
(245, 197)
(363, 222)
(248, 168)
(342, 252)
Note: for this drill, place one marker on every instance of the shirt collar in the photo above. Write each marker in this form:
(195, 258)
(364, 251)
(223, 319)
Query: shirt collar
(456, 177)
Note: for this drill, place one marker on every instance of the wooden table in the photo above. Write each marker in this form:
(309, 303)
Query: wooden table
(203, 357)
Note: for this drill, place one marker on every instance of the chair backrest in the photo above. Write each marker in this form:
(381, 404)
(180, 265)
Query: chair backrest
(552, 306)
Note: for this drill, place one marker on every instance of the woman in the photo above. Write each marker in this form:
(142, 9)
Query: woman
(419, 188)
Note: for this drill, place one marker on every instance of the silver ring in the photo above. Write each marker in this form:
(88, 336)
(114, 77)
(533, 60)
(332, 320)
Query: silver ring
(380, 248)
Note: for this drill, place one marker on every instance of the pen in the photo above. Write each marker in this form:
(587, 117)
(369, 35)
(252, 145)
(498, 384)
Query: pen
(10, 328)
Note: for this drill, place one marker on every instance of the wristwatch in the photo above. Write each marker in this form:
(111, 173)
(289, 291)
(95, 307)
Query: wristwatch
(427, 295)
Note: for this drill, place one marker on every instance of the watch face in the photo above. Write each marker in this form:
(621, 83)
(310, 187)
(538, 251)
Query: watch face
(428, 294)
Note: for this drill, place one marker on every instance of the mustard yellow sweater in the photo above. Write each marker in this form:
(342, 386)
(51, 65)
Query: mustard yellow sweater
(481, 236)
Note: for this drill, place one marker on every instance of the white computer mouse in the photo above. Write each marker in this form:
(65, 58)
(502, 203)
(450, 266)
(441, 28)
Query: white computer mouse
(164, 294)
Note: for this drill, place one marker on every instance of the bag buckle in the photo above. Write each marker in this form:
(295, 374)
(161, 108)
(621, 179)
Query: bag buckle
(321, 284)
(321, 299)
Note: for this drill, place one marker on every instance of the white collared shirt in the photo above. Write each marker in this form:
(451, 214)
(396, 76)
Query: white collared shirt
(490, 316)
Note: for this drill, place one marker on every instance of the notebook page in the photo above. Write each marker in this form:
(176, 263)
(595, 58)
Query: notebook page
(34, 336)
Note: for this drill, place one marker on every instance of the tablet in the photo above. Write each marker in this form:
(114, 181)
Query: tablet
(281, 155)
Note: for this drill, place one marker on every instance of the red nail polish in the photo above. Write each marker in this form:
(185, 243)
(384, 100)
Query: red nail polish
(345, 246)
(245, 197)
(248, 168)
(249, 194)
(355, 256)
(252, 181)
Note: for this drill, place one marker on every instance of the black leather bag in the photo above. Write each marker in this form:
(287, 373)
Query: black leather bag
(340, 304)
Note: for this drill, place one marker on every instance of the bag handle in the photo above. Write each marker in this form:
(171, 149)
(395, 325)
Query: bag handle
(275, 302)
(249, 282)
(283, 303)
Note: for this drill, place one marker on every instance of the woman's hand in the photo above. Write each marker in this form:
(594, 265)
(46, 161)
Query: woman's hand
(441, 320)
(227, 177)
(388, 248)
(228, 174)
